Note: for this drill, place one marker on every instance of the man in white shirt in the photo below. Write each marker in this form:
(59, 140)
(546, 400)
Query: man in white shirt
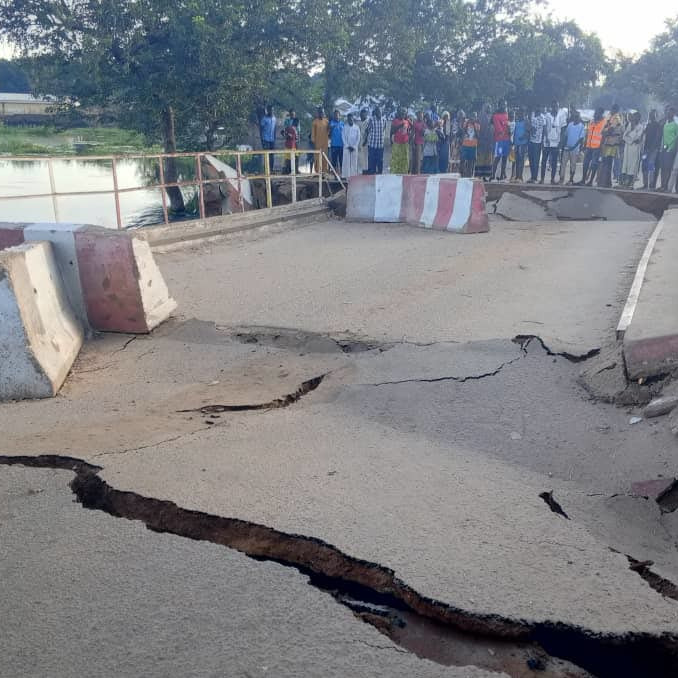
(556, 120)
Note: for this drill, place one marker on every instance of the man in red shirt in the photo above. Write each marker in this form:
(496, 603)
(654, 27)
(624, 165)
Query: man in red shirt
(418, 142)
(502, 141)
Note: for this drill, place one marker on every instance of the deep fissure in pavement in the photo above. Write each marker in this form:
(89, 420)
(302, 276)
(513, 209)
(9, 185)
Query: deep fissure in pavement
(553, 504)
(287, 400)
(350, 579)
(524, 341)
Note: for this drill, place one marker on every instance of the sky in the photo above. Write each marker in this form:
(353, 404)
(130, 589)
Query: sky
(616, 25)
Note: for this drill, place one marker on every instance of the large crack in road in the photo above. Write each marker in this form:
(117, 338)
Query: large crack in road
(376, 595)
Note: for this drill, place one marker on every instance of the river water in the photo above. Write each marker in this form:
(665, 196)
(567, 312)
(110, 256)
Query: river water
(29, 177)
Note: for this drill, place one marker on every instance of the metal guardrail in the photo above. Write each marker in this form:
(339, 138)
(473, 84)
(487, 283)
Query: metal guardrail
(320, 160)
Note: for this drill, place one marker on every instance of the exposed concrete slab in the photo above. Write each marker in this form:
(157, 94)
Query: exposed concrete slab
(588, 203)
(87, 594)
(39, 335)
(546, 196)
(654, 204)
(651, 340)
(516, 208)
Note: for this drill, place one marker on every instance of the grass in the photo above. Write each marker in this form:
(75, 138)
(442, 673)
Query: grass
(43, 140)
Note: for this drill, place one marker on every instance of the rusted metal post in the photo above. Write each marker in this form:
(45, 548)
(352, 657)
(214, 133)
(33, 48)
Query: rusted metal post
(52, 188)
(162, 189)
(293, 166)
(116, 195)
(319, 168)
(201, 194)
(238, 169)
(267, 169)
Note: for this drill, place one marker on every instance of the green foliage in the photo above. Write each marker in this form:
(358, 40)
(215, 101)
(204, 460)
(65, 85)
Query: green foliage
(657, 69)
(570, 63)
(205, 60)
(13, 78)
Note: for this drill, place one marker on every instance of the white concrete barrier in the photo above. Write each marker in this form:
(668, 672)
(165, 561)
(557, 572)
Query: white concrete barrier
(62, 237)
(40, 335)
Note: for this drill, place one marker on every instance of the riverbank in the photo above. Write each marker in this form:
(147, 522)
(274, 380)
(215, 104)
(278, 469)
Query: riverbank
(44, 140)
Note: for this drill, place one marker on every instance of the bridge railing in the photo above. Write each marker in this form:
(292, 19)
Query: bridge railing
(321, 169)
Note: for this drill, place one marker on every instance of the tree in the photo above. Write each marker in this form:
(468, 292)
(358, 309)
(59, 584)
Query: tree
(13, 78)
(571, 63)
(155, 62)
(657, 69)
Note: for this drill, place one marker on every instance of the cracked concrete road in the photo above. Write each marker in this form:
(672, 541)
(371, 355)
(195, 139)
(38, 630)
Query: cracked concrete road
(159, 605)
(384, 474)
(426, 446)
(393, 282)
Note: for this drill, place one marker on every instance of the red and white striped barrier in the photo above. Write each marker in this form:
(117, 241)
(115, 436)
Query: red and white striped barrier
(438, 202)
(111, 279)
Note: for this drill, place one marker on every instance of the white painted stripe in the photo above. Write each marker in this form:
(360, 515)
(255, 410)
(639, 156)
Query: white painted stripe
(389, 196)
(632, 299)
(428, 213)
(461, 210)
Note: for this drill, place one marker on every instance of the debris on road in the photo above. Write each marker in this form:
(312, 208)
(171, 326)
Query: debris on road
(660, 406)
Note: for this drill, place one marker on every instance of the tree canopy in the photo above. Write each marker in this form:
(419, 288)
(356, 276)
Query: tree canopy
(211, 63)
(13, 78)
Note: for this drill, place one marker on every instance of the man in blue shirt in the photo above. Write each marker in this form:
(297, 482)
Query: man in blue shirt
(521, 138)
(267, 131)
(574, 136)
(336, 141)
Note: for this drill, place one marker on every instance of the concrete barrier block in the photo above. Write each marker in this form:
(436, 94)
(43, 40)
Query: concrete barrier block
(40, 335)
(438, 201)
(11, 235)
(62, 238)
(122, 286)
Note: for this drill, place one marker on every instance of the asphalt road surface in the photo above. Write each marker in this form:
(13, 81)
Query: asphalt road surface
(377, 440)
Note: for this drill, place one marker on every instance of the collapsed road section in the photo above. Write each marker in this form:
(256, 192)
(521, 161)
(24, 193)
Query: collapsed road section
(613, 656)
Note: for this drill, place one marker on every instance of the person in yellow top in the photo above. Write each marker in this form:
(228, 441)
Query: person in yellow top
(320, 136)
(609, 149)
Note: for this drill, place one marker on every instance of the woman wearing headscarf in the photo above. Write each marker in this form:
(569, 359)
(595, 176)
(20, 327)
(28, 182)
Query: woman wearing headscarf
(485, 144)
(400, 143)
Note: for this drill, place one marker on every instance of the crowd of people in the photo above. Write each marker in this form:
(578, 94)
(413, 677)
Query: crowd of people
(519, 145)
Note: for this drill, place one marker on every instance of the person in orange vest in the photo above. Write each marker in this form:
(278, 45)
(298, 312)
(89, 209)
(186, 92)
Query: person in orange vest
(594, 139)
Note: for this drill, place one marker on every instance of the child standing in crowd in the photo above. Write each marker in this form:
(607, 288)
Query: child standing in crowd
(469, 146)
